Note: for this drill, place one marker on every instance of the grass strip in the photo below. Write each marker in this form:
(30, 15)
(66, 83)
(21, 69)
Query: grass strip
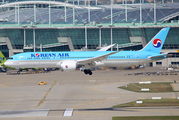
(153, 87)
(147, 118)
(151, 103)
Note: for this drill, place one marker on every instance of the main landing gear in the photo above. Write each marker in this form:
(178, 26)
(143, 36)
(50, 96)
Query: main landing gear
(87, 71)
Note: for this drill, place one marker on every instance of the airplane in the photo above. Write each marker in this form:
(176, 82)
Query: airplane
(70, 61)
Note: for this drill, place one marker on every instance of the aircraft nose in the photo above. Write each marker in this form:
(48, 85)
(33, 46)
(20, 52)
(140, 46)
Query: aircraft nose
(7, 63)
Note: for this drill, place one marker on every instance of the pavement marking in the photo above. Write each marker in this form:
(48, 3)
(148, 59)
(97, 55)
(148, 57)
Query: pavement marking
(4, 85)
(6, 78)
(94, 90)
(92, 80)
(141, 98)
(145, 89)
(99, 85)
(107, 83)
(46, 94)
(144, 110)
(88, 113)
(165, 79)
(156, 97)
(139, 102)
(68, 112)
(24, 113)
(88, 103)
(147, 78)
(174, 87)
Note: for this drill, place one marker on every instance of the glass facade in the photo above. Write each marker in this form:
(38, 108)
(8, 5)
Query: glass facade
(172, 41)
(4, 49)
(173, 55)
(61, 48)
(16, 38)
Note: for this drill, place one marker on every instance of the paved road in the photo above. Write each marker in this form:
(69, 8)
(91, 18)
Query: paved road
(91, 97)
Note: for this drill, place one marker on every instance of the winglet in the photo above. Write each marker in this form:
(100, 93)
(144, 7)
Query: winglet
(106, 48)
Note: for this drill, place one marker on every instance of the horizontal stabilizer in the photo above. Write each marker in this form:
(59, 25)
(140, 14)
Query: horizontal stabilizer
(165, 53)
(157, 56)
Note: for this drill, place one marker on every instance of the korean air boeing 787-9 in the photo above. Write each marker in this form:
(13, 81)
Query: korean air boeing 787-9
(69, 61)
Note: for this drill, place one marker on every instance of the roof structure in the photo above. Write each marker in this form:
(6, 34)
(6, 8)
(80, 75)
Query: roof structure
(25, 12)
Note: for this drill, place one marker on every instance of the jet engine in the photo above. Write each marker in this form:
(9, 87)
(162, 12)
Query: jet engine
(68, 65)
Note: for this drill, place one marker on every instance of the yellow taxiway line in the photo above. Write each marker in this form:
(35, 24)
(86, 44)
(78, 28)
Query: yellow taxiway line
(88, 103)
(174, 87)
(46, 94)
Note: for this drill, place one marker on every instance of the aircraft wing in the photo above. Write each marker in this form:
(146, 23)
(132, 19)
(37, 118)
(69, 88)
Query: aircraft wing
(95, 59)
(106, 48)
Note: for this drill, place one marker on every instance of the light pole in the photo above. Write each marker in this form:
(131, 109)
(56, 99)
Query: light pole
(33, 35)
(88, 11)
(111, 12)
(65, 11)
(155, 22)
(86, 42)
(34, 12)
(73, 13)
(15, 14)
(18, 15)
(126, 8)
(24, 35)
(40, 47)
(111, 37)
(100, 35)
(49, 14)
(140, 12)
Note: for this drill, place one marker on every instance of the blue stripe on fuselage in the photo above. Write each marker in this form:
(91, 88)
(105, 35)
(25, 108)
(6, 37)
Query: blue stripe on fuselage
(81, 55)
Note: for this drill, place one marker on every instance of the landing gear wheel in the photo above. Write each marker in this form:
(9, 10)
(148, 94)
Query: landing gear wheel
(87, 71)
(90, 73)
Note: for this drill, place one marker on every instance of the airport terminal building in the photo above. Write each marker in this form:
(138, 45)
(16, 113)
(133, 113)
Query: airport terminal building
(28, 26)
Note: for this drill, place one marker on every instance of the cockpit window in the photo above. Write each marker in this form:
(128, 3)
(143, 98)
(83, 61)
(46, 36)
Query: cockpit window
(11, 58)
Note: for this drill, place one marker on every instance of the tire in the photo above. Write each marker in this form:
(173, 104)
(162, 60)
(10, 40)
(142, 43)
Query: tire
(90, 73)
(86, 71)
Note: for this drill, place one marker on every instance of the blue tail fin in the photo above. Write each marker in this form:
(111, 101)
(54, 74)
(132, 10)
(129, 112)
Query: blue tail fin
(156, 44)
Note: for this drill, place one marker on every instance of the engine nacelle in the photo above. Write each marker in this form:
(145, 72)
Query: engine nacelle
(68, 65)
